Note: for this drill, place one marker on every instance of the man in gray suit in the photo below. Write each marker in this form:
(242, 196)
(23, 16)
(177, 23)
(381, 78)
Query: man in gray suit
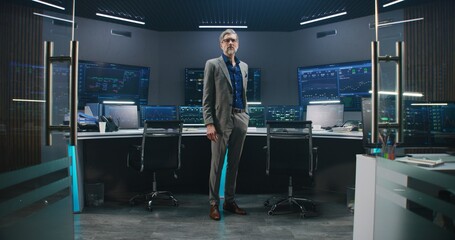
(226, 118)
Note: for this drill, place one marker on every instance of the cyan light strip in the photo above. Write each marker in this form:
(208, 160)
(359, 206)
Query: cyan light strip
(74, 180)
(223, 176)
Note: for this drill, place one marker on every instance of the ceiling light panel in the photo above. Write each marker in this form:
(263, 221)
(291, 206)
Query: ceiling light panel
(128, 11)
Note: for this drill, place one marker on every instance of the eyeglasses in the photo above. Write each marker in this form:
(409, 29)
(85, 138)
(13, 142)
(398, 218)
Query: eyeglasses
(227, 40)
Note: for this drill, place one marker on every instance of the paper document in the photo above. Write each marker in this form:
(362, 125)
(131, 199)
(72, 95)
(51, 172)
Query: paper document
(423, 162)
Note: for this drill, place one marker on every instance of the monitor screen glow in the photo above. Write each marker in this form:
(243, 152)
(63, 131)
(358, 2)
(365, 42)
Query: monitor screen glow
(346, 82)
(125, 116)
(329, 115)
(100, 81)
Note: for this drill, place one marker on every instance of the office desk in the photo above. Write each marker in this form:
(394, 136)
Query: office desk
(128, 133)
(102, 158)
(367, 190)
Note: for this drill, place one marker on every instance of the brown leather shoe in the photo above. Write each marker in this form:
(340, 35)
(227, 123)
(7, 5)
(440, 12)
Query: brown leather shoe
(233, 208)
(214, 213)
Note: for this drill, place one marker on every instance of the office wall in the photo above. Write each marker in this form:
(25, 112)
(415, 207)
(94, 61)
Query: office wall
(278, 54)
(96, 43)
(264, 50)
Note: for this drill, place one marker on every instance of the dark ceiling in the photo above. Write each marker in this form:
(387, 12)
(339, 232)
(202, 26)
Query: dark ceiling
(258, 15)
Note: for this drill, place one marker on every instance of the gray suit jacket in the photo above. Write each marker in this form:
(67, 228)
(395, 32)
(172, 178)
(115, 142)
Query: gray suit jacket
(218, 93)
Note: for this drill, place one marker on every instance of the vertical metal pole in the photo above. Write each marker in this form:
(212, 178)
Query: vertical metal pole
(310, 145)
(376, 19)
(374, 91)
(375, 76)
(48, 53)
(73, 92)
(399, 83)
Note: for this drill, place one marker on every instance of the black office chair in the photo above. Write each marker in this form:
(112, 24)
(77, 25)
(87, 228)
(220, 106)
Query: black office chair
(290, 151)
(160, 150)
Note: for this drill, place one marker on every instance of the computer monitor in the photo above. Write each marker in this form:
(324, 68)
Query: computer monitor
(284, 113)
(95, 108)
(429, 124)
(325, 115)
(125, 116)
(257, 116)
(100, 81)
(194, 85)
(346, 82)
(191, 116)
(442, 118)
(158, 112)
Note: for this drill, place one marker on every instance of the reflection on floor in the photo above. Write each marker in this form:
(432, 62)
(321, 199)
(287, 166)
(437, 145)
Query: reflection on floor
(190, 220)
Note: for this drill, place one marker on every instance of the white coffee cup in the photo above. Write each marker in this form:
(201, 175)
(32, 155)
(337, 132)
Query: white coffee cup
(316, 127)
(102, 126)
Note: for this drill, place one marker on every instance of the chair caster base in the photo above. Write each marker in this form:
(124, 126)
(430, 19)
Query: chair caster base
(149, 206)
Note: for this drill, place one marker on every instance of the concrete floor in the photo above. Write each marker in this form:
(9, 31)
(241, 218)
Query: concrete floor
(190, 220)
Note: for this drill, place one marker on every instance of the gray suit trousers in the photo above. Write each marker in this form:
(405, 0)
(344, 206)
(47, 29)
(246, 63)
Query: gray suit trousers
(232, 138)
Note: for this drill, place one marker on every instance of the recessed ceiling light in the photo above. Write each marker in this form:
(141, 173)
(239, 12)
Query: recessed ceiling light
(49, 4)
(398, 22)
(52, 17)
(119, 18)
(392, 3)
(222, 26)
(324, 18)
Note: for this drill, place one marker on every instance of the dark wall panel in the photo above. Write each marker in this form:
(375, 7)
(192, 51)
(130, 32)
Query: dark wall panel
(21, 42)
(278, 54)
(430, 50)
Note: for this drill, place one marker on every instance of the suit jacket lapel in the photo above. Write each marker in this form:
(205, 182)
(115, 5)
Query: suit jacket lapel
(244, 77)
(223, 67)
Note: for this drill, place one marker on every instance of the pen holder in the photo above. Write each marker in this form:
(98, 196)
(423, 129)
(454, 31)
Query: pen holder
(388, 151)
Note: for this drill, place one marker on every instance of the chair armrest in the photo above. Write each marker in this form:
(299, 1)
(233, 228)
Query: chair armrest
(316, 158)
(134, 149)
(267, 161)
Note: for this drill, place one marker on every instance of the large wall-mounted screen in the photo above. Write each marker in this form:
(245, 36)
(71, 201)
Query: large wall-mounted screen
(194, 84)
(346, 82)
(253, 91)
(100, 81)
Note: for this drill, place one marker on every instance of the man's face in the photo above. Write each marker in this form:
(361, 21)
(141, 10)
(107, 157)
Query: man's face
(229, 44)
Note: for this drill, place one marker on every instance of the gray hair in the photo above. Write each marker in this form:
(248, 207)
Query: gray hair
(228, 31)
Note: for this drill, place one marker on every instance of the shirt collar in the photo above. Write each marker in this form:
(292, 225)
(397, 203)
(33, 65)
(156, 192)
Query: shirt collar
(227, 60)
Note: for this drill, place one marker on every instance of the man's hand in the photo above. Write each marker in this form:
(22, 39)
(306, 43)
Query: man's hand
(211, 133)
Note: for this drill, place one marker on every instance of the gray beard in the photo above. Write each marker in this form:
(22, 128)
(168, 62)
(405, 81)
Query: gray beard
(231, 51)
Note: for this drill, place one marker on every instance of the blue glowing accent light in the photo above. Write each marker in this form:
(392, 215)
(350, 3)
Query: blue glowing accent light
(375, 150)
(74, 180)
(223, 176)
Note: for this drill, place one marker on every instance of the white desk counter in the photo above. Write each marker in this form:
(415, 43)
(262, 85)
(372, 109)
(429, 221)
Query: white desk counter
(252, 131)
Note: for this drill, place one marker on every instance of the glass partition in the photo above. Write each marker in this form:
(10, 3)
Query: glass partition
(413, 49)
(414, 58)
(413, 202)
(36, 178)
